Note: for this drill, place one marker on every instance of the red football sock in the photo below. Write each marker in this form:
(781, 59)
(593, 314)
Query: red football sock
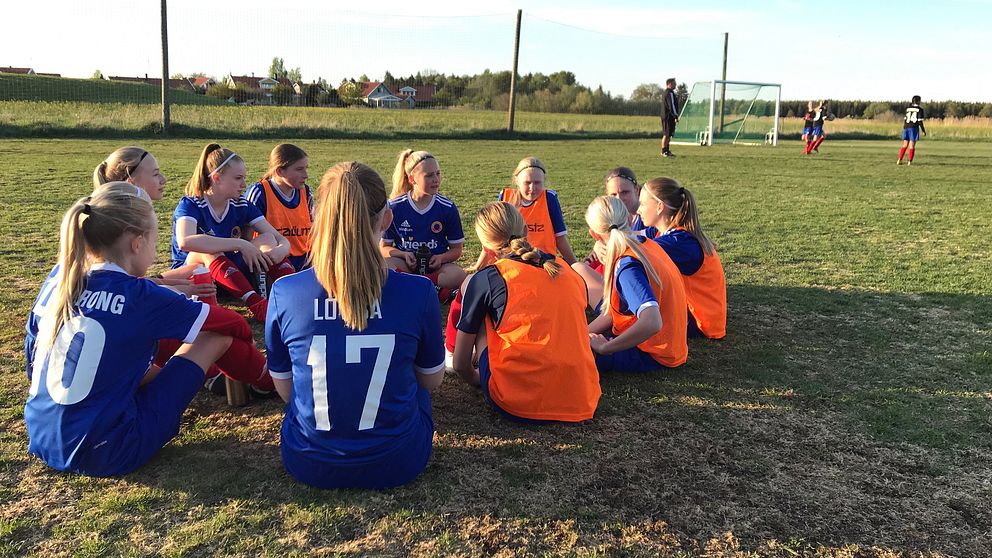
(818, 142)
(911, 153)
(244, 363)
(809, 147)
(901, 153)
(454, 314)
(227, 275)
(281, 269)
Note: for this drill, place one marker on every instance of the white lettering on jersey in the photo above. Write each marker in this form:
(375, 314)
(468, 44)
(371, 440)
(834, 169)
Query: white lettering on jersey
(102, 300)
(328, 310)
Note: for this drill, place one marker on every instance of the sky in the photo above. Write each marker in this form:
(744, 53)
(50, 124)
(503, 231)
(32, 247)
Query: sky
(845, 49)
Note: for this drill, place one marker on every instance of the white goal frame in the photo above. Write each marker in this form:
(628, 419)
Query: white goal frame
(705, 137)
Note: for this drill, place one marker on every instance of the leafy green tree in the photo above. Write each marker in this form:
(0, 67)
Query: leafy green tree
(97, 74)
(646, 92)
(350, 93)
(277, 69)
(294, 76)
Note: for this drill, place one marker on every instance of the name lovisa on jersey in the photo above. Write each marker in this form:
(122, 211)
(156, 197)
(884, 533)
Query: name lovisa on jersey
(327, 309)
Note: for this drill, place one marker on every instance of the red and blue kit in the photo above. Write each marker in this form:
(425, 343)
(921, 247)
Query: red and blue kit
(86, 410)
(545, 222)
(437, 226)
(234, 222)
(292, 217)
(357, 417)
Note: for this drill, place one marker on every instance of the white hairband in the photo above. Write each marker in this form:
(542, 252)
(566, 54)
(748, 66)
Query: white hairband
(226, 161)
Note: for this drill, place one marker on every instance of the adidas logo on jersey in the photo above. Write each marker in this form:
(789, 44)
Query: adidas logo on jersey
(405, 224)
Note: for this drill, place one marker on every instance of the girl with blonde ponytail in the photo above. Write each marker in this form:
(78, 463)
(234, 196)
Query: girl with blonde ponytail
(423, 220)
(95, 406)
(355, 347)
(212, 225)
(534, 362)
(667, 205)
(642, 321)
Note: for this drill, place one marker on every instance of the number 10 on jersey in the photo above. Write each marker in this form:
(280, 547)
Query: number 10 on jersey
(317, 359)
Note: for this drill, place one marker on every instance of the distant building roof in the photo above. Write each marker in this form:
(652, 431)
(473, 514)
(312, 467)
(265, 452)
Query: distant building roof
(13, 70)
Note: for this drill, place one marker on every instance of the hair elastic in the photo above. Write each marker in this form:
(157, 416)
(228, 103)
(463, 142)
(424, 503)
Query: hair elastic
(617, 227)
(624, 176)
(421, 160)
(531, 167)
(87, 209)
(226, 161)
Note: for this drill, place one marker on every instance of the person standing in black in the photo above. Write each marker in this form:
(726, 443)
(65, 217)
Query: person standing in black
(669, 116)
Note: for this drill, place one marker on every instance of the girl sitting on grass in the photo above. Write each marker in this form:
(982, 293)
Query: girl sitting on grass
(667, 205)
(211, 221)
(642, 323)
(534, 362)
(355, 347)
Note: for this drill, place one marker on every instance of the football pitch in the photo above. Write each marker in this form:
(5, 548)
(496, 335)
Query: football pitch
(847, 412)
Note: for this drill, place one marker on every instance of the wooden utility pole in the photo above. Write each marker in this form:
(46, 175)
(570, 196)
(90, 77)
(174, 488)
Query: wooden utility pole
(166, 118)
(513, 76)
(723, 88)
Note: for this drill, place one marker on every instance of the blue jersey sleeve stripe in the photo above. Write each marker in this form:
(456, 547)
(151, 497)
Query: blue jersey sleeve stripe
(457, 241)
(424, 371)
(194, 330)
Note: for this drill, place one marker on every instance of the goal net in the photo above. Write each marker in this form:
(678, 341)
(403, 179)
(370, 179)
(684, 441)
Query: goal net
(730, 112)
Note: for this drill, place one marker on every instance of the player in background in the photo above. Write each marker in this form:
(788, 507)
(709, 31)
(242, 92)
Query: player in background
(210, 222)
(808, 118)
(911, 128)
(620, 182)
(283, 197)
(540, 208)
(669, 116)
(643, 319)
(524, 317)
(821, 115)
(672, 208)
(355, 347)
(423, 219)
(95, 407)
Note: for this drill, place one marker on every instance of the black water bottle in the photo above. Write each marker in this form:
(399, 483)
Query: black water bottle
(423, 256)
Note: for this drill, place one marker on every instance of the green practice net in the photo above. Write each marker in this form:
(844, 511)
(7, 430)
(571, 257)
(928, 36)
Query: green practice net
(741, 113)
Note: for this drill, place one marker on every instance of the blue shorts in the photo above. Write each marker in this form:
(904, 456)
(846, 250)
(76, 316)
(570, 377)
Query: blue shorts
(911, 134)
(627, 360)
(396, 468)
(484, 374)
(807, 130)
(817, 131)
(149, 424)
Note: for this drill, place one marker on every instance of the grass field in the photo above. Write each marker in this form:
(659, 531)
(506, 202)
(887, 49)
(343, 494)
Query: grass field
(847, 413)
(46, 119)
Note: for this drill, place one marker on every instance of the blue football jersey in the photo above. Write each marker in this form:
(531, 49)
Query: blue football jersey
(354, 393)
(83, 384)
(437, 226)
(238, 216)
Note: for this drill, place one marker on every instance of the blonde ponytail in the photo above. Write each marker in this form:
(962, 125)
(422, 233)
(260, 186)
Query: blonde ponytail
(119, 165)
(345, 254)
(212, 158)
(502, 230)
(608, 216)
(92, 227)
(679, 199)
